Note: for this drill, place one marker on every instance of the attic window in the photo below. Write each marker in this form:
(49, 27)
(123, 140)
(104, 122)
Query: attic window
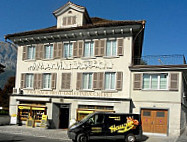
(69, 12)
(71, 20)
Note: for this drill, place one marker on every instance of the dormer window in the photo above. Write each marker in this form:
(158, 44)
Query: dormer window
(71, 20)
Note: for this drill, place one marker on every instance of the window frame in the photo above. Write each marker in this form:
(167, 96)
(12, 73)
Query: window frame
(110, 79)
(111, 48)
(158, 81)
(51, 52)
(30, 82)
(49, 79)
(33, 52)
(68, 57)
(87, 81)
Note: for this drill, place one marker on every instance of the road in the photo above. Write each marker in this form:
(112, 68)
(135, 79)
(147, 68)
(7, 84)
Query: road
(4, 137)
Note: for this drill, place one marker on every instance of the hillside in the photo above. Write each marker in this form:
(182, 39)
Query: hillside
(8, 57)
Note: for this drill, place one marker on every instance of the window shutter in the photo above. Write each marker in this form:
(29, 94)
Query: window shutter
(96, 44)
(23, 80)
(35, 81)
(102, 47)
(55, 51)
(174, 79)
(59, 49)
(75, 49)
(53, 81)
(101, 81)
(40, 81)
(69, 20)
(74, 20)
(40, 51)
(37, 52)
(80, 49)
(95, 80)
(68, 80)
(119, 81)
(137, 81)
(24, 55)
(120, 47)
(79, 81)
(64, 21)
(63, 86)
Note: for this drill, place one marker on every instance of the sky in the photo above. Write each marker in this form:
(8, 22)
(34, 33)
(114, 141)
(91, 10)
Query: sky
(165, 29)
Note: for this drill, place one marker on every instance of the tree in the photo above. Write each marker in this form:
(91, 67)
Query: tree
(7, 90)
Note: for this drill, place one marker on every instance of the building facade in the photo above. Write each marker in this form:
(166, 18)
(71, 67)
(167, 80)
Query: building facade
(86, 64)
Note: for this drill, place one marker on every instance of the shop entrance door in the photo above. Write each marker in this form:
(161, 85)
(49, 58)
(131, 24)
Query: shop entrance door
(64, 117)
(154, 121)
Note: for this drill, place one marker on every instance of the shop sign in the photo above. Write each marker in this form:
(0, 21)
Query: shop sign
(13, 119)
(72, 93)
(69, 65)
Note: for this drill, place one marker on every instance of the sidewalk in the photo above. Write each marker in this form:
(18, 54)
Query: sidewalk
(62, 134)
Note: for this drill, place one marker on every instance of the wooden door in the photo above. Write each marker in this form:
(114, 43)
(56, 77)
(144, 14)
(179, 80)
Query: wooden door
(154, 121)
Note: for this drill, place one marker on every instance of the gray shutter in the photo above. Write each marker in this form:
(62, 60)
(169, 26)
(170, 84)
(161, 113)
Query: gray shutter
(63, 85)
(120, 47)
(37, 52)
(69, 20)
(96, 47)
(64, 21)
(102, 47)
(80, 49)
(40, 81)
(95, 80)
(35, 81)
(53, 81)
(23, 75)
(40, 50)
(137, 81)
(79, 81)
(119, 81)
(68, 80)
(174, 81)
(59, 50)
(55, 51)
(75, 49)
(24, 55)
(101, 80)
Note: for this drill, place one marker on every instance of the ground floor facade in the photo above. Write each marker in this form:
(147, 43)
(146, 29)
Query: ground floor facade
(167, 119)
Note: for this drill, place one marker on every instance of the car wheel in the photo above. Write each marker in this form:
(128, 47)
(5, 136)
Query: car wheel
(130, 138)
(82, 138)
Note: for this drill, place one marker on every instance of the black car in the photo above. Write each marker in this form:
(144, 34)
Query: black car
(101, 125)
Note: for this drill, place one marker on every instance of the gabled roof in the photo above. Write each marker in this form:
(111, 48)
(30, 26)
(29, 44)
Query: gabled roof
(96, 23)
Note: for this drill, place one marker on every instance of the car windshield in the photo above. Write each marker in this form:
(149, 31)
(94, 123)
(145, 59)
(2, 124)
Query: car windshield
(86, 117)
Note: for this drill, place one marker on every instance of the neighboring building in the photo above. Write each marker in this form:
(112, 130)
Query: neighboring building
(87, 64)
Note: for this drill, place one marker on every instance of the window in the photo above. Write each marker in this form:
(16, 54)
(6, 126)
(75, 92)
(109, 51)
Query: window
(47, 81)
(155, 81)
(89, 49)
(111, 48)
(68, 50)
(87, 81)
(71, 20)
(48, 51)
(29, 80)
(110, 81)
(31, 52)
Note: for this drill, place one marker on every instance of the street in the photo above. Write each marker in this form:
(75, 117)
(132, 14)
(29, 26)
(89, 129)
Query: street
(5, 137)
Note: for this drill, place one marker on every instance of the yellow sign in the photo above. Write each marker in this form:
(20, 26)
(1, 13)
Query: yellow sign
(13, 115)
(117, 118)
(23, 107)
(44, 117)
(96, 129)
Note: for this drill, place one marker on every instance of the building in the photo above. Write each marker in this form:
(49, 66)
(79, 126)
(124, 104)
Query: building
(87, 64)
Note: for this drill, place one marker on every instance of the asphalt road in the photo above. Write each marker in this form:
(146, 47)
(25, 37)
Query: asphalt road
(22, 138)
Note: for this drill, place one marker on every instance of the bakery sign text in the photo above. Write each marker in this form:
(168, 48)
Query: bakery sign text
(69, 65)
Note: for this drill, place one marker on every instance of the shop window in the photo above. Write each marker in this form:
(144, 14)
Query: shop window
(160, 114)
(146, 113)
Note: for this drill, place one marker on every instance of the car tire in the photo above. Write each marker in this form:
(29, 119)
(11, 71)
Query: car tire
(82, 138)
(130, 138)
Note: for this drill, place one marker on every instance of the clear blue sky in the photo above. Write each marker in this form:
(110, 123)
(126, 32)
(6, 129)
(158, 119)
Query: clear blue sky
(165, 32)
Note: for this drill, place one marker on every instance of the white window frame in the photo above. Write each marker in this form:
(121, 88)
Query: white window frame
(68, 43)
(87, 81)
(51, 50)
(110, 79)
(158, 82)
(89, 49)
(47, 81)
(111, 47)
(33, 52)
(29, 83)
